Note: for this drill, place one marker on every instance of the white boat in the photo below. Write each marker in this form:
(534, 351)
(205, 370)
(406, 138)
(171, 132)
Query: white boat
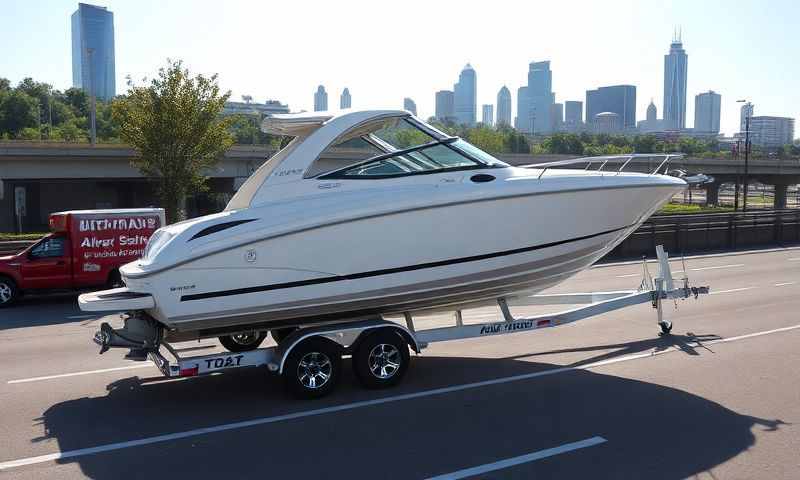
(426, 221)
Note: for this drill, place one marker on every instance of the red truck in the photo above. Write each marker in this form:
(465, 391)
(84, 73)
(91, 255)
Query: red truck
(85, 249)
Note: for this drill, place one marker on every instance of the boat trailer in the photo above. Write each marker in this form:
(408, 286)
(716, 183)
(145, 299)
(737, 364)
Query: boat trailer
(309, 358)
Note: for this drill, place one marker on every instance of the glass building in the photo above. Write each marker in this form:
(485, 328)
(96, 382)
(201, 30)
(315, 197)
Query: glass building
(619, 99)
(93, 51)
(675, 65)
(465, 95)
(503, 107)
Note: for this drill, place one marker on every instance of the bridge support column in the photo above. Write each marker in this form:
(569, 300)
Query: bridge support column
(780, 195)
(712, 194)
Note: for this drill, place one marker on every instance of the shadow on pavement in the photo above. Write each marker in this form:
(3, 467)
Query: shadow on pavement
(41, 310)
(688, 344)
(653, 431)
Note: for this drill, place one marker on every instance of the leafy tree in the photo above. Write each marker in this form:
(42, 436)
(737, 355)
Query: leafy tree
(5, 85)
(174, 123)
(486, 138)
(18, 112)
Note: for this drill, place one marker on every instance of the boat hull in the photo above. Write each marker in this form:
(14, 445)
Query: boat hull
(437, 256)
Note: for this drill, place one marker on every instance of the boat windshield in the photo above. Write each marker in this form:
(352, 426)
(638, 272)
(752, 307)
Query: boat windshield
(440, 155)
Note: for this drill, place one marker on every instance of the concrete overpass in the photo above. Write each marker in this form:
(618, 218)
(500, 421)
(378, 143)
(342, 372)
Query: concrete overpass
(59, 176)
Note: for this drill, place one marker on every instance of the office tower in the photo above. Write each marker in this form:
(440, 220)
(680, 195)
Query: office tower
(771, 133)
(651, 122)
(540, 95)
(445, 111)
(320, 99)
(652, 113)
(503, 107)
(466, 96)
(410, 105)
(620, 99)
(488, 114)
(93, 64)
(573, 115)
(522, 122)
(707, 112)
(746, 111)
(345, 100)
(606, 122)
(675, 66)
(556, 117)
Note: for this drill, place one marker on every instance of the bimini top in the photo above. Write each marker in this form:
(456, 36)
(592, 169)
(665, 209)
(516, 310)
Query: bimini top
(315, 132)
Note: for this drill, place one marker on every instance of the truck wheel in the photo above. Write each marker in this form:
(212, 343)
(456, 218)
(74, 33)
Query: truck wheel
(381, 359)
(115, 280)
(8, 292)
(242, 342)
(312, 368)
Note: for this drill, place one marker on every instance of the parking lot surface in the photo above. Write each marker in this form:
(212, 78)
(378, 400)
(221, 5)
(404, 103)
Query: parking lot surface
(601, 398)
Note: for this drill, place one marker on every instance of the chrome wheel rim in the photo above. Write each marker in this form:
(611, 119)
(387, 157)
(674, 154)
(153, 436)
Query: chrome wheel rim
(5, 292)
(314, 370)
(246, 338)
(384, 360)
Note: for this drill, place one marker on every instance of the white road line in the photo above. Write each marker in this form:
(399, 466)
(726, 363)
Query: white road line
(717, 292)
(77, 374)
(716, 267)
(78, 317)
(629, 275)
(530, 457)
(366, 403)
(784, 284)
(796, 259)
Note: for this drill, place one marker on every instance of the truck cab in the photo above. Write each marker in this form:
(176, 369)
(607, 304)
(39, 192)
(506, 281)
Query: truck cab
(84, 250)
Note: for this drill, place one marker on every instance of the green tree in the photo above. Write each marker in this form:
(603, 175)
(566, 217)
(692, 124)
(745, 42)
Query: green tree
(174, 124)
(17, 111)
(487, 139)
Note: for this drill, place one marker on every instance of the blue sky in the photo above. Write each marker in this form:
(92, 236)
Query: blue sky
(383, 52)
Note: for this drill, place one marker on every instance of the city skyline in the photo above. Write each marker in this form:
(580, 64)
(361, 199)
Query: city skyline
(736, 65)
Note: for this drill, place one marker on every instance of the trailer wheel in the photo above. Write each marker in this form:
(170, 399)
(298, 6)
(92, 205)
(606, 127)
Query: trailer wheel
(312, 368)
(381, 359)
(8, 292)
(278, 334)
(115, 279)
(242, 342)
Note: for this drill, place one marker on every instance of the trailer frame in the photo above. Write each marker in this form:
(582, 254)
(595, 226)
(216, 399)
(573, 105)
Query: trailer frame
(346, 337)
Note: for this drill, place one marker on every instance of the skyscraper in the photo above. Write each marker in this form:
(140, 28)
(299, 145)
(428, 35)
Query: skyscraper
(620, 99)
(410, 105)
(320, 99)
(444, 106)
(746, 111)
(771, 132)
(522, 121)
(675, 66)
(487, 114)
(652, 113)
(556, 117)
(540, 95)
(466, 96)
(573, 115)
(651, 123)
(707, 112)
(93, 63)
(503, 107)
(344, 100)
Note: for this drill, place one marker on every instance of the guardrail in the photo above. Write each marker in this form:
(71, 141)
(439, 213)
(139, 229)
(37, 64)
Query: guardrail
(707, 232)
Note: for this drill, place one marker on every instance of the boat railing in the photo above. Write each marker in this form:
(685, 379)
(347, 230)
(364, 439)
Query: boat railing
(625, 160)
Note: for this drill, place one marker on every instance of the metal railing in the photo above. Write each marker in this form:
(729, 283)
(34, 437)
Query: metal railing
(624, 159)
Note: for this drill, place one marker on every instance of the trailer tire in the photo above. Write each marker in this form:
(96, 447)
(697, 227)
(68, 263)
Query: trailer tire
(279, 334)
(115, 279)
(381, 359)
(312, 368)
(9, 293)
(242, 342)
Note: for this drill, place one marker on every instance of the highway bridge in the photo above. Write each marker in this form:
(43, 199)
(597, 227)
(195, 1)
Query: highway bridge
(57, 176)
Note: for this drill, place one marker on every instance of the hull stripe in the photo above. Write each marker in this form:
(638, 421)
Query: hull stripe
(389, 271)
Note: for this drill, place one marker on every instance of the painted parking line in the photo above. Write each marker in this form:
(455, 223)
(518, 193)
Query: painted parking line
(530, 457)
(717, 292)
(629, 275)
(78, 374)
(784, 284)
(367, 403)
(700, 269)
(796, 259)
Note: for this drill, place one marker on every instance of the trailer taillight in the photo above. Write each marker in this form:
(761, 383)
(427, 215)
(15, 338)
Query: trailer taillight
(189, 372)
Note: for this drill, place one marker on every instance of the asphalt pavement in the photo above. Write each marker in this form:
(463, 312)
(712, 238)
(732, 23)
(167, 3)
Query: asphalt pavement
(605, 397)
